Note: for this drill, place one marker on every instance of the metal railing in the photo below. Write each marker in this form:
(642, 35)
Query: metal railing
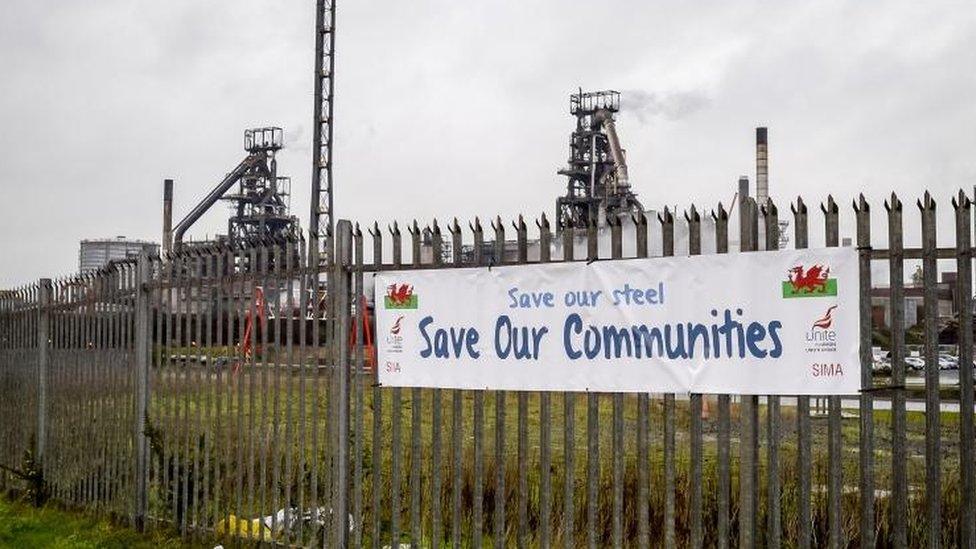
(223, 393)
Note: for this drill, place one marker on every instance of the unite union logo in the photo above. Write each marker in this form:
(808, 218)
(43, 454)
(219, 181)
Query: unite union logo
(394, 339)
(826, 321)
(822, 337)
(814, 281)
(400, 296)
(395, 330)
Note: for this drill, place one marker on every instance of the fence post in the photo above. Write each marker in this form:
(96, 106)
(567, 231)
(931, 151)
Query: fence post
(933, 414)
(749, 410)
(899, 439)
(723, 492)
(667, 249)
(770, 216)
(342, 285)
(964, 287)
(141, 353)
(43, 322)
(835, 484)
(866, 409)
(802, 241)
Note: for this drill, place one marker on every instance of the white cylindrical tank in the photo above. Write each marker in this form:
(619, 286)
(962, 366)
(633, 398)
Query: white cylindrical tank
(97, 253)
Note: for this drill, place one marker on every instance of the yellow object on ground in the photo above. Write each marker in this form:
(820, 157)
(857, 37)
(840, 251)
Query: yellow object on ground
(243, 528)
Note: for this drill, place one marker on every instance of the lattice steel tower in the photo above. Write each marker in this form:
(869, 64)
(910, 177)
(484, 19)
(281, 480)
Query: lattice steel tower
(598, 184)
(321, 222)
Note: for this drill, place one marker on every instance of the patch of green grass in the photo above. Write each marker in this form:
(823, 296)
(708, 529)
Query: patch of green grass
(24, 526)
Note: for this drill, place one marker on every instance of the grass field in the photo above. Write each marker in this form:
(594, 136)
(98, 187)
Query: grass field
(22, 526)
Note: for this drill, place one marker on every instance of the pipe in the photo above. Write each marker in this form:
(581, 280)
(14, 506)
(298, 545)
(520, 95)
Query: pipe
(606, 118)
(167, 215)
(762, 167)
(251, 161)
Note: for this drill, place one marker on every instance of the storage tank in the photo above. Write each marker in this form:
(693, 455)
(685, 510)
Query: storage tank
(97, 253)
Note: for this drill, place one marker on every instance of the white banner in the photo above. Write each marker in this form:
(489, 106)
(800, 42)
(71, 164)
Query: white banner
(781, 322)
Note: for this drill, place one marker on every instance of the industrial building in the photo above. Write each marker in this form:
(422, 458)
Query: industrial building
(948, 301)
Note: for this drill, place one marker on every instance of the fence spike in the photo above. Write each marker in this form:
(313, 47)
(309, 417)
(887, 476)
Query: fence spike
(830, 207)
(638, 219)
(799, 207)
(720, 213)
(519, 225)
(893, 204)
(926, 202)
(542, 221)
(666, 217)
(961, 200)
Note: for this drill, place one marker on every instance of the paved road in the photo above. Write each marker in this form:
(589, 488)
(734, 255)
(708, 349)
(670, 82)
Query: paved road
(848, 403)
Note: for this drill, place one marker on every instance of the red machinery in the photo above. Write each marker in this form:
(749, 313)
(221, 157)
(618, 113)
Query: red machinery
(259, 306)
(369, 351)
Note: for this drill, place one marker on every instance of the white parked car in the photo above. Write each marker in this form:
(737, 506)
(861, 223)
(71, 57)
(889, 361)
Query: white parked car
(915, 363)
(948, 362)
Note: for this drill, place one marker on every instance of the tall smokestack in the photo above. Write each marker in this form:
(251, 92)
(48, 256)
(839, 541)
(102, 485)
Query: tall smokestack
(762, 167)
(167, 215)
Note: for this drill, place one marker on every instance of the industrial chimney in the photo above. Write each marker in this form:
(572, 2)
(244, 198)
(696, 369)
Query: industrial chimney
(762, 167)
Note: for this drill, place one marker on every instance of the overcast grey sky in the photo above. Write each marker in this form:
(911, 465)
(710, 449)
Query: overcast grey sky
(449, 108)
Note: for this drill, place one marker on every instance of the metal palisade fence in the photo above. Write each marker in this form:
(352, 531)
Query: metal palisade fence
(225, 393)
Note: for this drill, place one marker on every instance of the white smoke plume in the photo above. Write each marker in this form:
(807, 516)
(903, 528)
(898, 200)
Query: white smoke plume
(646, 105)
(296, 139)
